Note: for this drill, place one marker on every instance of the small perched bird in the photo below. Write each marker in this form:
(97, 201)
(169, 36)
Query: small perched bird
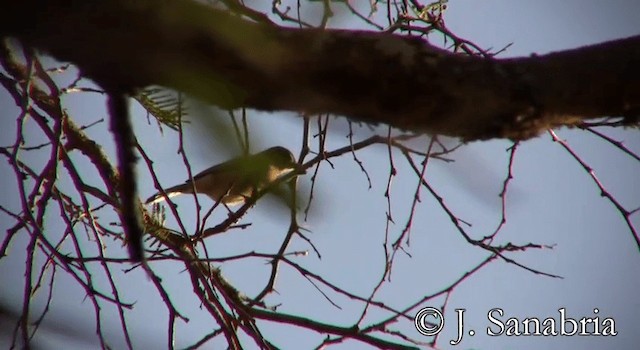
(235, 180)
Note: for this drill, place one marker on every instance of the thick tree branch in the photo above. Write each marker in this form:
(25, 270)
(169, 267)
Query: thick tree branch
(374, 77)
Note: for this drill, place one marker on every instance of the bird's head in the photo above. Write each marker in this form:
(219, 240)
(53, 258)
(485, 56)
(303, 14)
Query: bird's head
(281, 160)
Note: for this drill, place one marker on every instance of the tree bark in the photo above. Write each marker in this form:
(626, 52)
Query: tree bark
(374, 77)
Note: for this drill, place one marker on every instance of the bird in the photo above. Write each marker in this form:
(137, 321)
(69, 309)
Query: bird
(235, 180)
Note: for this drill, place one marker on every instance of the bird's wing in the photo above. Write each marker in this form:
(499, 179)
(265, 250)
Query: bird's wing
(224, 167)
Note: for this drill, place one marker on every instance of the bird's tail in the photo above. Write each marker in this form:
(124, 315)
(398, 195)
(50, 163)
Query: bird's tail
(171, 192)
